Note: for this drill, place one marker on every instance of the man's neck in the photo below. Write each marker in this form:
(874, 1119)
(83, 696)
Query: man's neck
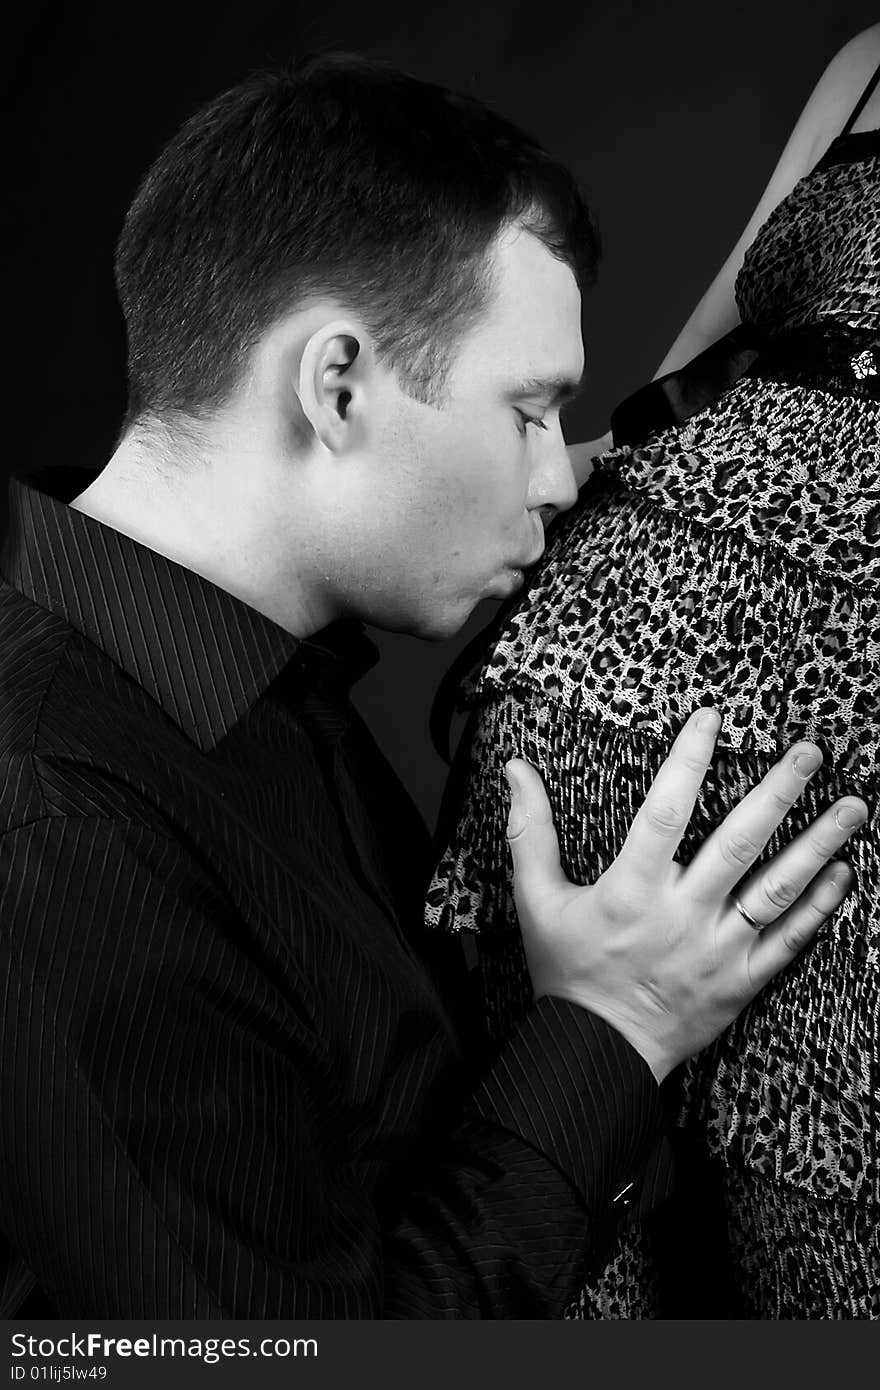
(197, 514)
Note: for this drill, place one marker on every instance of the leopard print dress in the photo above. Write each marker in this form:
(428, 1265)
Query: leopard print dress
(732, 559)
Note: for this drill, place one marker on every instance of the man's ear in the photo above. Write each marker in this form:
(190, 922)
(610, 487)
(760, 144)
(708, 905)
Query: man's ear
(333, 373)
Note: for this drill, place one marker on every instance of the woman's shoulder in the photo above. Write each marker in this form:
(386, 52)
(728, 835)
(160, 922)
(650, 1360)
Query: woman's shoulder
(863, 47)
(841, 84)
(853, 65)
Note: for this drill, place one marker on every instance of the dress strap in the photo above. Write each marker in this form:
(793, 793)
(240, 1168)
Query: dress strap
(860, 104)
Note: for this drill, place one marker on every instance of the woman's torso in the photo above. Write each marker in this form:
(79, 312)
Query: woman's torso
(735, 560)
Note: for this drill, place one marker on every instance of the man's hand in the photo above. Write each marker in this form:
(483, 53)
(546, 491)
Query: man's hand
(662, 952)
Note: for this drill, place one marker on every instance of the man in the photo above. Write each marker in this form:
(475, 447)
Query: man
(232, 1082)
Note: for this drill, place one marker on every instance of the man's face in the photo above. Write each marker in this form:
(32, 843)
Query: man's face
(462, 491)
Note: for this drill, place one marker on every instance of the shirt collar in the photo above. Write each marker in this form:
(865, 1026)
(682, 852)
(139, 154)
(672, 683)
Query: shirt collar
(203, 655)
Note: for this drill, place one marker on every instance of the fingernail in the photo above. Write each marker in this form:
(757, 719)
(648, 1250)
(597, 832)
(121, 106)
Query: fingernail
(709, 720)
(805, 764)
(518, 817)
(841, 876)
(848, 817)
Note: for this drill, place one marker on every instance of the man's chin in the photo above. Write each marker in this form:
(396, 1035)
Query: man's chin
(443, 624)
(481, 611)
(507, 582)
(430, 627)
(442, 629)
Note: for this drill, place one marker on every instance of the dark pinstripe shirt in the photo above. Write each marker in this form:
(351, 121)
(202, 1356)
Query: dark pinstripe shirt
(230, 1077)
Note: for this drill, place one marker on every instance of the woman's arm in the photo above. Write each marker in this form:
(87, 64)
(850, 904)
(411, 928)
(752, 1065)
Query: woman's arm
(822, 118)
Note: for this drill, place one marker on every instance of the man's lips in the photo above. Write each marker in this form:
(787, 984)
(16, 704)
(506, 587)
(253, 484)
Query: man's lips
(516, 568)
(527, 564)
(541, 542)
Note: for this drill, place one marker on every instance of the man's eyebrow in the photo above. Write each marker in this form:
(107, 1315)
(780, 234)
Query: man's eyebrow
(555, 389)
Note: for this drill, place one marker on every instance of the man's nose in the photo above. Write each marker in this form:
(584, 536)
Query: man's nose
(553, 488)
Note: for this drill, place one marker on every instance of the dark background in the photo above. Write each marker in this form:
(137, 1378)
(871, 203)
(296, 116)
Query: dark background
(672, 115)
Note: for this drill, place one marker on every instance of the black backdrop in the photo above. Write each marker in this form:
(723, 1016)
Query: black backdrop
(672, 115)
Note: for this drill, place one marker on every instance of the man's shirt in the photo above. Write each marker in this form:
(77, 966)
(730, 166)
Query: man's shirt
(231, 1080)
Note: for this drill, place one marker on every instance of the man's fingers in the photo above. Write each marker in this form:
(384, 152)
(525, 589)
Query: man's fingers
(742, 835)
(777, 945)
(534, 847)
(776, 887)
(663, 816)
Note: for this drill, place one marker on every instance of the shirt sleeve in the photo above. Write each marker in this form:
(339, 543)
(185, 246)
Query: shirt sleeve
(168, 1153)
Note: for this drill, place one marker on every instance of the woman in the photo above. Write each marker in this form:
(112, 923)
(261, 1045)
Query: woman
(727, 552)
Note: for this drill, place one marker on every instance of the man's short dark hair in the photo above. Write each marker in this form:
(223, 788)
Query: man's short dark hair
(337, 175)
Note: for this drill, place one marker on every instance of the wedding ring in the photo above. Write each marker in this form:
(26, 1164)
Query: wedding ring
(755, 926)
